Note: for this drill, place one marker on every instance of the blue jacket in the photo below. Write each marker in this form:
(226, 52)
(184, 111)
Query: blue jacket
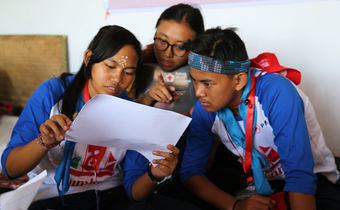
(281, 136)
(37, 111)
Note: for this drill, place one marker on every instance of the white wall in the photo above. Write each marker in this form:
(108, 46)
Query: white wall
(303, 35)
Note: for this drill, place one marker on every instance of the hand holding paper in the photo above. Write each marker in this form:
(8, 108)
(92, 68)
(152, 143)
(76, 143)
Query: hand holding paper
(113, 122)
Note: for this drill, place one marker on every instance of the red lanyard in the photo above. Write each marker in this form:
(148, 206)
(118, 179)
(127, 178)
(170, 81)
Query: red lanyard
(249, 130)
(250, 101)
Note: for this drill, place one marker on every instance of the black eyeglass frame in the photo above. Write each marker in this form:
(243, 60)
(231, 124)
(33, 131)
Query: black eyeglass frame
(168, 44)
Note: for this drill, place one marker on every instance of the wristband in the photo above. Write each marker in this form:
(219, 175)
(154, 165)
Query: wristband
(235, 204)
(153, 179)
(41, 143)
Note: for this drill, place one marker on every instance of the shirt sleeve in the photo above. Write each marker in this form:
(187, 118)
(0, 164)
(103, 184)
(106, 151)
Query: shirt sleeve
(135, 165)
(36, 112)
(200, 141)
(284, 109)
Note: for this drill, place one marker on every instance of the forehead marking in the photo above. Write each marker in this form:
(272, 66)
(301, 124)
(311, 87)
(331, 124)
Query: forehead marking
(123, 61)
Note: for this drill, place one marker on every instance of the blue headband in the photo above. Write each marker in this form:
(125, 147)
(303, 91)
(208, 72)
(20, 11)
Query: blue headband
(208, 64)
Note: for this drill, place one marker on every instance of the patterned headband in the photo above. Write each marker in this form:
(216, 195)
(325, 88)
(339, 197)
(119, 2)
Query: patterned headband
(208, 64)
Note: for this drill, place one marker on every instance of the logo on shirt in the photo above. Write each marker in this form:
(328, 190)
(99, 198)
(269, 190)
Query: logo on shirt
(169, 78)
(259, 126)
(274, 168)
(83, 172)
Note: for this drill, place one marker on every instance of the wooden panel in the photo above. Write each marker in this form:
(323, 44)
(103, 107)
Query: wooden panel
(28, 60)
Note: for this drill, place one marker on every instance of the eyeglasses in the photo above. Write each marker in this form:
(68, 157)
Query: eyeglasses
(162, 45)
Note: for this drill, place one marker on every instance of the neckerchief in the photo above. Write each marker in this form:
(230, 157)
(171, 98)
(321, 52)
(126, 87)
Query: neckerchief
(237, 136)
(62, 175)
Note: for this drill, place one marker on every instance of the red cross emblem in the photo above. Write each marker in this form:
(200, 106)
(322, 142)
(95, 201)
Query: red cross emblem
(170, 77)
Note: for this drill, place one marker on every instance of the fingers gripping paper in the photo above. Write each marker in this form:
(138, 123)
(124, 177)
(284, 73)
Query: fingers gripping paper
(113, 122)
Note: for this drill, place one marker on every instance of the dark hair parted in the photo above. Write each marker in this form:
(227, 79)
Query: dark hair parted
(108, 41)
(221, 44)
(184, 13)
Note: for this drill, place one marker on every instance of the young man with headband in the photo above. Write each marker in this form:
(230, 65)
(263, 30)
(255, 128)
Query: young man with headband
(259, 117)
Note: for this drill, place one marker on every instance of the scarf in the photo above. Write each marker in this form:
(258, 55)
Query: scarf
(261, 183)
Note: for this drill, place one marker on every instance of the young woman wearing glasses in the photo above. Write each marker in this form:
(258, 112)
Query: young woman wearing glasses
(168, 85)
(175, 26)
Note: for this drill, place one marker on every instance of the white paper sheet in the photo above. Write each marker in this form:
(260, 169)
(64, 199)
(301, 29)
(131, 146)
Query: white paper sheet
(113, 122)
(22, 197)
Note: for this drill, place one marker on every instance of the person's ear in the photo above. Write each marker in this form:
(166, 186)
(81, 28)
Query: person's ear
(87, 56)
(242, 79)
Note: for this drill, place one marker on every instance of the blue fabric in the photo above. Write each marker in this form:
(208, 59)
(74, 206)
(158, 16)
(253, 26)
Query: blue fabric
(284, 107)
(36, 111)
(209, 64)
(63, 171)
(134, 167)
(261, 184)
(199, 143)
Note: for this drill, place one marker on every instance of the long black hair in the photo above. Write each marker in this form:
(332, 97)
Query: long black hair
(108, 41)
(184, 13)
(221, 44)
